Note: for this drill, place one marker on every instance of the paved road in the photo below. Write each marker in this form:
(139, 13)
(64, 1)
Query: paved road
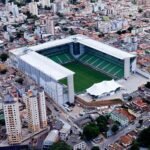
(60, 113)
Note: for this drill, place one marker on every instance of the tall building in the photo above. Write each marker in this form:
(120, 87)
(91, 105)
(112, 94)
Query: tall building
(42, 108)
(33, 112)
(50, 25)
(33, 8)
(12, 119)
(145, 3)
(36, 108)
(45, 3)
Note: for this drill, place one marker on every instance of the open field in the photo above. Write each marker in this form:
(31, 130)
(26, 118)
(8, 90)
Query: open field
(84, 76)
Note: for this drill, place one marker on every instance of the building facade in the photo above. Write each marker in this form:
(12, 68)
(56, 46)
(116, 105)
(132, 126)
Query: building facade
(33, 114)
(36, 109)
(12, 119)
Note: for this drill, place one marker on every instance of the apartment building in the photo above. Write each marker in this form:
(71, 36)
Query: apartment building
(36, 109)
(12, 119)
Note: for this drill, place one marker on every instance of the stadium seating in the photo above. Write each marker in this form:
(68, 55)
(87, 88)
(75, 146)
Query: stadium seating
(101, 64)
(62, 58)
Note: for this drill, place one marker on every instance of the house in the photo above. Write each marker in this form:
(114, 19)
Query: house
(126, 140)
(139, 104)
(122, 116)
(77, 143)
(65, 131)
(115, 146)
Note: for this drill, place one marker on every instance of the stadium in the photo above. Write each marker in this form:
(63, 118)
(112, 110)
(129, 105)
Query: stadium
(73, 64)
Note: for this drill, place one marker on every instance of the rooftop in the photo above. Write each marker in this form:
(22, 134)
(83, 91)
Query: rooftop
(45, 65)
(73, 140)
(84, 40)
(126, 140)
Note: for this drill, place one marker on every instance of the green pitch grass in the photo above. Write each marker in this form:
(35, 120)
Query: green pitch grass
(84, 76)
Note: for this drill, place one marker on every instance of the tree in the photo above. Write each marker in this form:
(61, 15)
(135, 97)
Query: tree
(102, 122)
(95, 148)
(143, 138)
(4, 57)
(140, 10)
(72, 32)
(90, 131)
(19, 80)
(141, 122)
(147, 85)
(115, 128)
(134, 146)
(61, 145)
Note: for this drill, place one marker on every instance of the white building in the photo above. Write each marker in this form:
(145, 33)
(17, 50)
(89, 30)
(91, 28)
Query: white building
(51, 138)
(65, 131)
(12, 119)
(50, 25)
(33, 8)
(36, 108)
(45, 3)
(77, 143)
(15, 10)
(116, 116)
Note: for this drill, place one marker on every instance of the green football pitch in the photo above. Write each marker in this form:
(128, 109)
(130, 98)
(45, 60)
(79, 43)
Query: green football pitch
(84, 76)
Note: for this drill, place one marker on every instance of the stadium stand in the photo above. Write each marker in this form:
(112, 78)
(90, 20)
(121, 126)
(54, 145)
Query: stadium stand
(101, 64)
(62, 58)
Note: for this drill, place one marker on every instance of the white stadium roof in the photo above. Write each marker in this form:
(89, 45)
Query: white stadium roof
(44, 64)
(112, 51)
(115, 52)
(104, 87)
(50, 44)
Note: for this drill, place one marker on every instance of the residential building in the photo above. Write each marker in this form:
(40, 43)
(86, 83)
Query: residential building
(50, 25)
(51, 138)
(122, 116)
(126, 140)
(45, 3)
(33, 8)
(139, 103)
(42, 108)
(76, 143)
(33, 113)
(12, 119)
(65, 131)
(36, 108)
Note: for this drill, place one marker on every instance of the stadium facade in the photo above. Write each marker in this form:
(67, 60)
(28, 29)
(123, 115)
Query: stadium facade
(44, 63)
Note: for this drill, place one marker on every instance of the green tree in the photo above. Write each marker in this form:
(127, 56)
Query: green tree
(4, 57)
(134, 146)
(90, 131)
(102, 122)
(95, 148)
(20, 80)
(143, 138)
(115, 128)
(61, 145)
